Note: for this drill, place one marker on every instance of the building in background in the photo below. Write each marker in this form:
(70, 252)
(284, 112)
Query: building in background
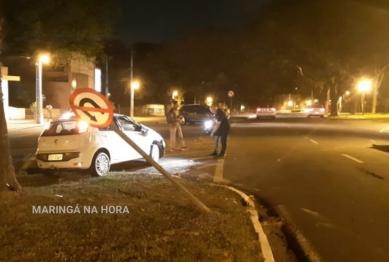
(60, 81)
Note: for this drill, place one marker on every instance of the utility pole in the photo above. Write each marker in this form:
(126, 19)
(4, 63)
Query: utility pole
(106, 77)
(131, 86)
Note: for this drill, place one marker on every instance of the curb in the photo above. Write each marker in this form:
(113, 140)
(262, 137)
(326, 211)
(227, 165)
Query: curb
(263, 241)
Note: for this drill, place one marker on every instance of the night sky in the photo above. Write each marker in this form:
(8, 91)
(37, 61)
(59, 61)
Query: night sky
(161, 21)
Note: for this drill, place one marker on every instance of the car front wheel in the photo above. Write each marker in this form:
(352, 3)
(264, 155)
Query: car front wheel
(154, 152)
(100, 165)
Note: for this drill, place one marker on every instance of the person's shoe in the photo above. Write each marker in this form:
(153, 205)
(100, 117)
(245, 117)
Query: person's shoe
(214, 153)
(184, 148)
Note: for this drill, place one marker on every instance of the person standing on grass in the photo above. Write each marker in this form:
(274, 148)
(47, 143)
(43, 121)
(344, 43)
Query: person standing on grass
(174, 123)
(221, 129)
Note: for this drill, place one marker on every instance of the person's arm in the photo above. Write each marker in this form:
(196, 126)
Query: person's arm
(173, 117)
(216, 127)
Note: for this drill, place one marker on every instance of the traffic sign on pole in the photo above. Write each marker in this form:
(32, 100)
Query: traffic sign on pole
(230, 93)
(92, 107)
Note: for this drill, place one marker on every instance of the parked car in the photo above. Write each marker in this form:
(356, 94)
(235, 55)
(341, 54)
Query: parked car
(266, 111)
(315, 111)
(191, 114)
(72, 144)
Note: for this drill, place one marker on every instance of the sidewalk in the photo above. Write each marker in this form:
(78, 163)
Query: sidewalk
(22, 124)
(359, 116)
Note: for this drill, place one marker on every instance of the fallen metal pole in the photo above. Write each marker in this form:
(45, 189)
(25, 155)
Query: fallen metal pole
(151, 161)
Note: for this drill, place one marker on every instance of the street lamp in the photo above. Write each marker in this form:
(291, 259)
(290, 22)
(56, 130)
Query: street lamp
(42, 59)
(209, 100)
(364, 87)
(134, 85)
(175, 93)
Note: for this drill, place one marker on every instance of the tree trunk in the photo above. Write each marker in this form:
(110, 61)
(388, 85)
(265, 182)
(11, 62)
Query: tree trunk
(334, 100)
(376, 88)
(327, 104)
(7, 171)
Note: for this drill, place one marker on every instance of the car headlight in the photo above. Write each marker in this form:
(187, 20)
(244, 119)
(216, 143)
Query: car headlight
(208, 124)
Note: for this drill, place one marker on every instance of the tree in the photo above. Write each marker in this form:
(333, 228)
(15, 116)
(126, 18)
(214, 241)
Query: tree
(7, 171)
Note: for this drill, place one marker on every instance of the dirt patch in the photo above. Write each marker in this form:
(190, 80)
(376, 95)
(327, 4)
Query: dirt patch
(161, 223)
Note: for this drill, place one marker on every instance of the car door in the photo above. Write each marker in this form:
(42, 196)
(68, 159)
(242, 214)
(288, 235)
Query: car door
(133, 130)
(114, 143)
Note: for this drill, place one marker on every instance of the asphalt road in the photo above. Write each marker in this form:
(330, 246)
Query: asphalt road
(329, 178)
(325, 176)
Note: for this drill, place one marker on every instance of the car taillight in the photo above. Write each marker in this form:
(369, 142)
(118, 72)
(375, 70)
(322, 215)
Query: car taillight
(273, 109)
(258, 109)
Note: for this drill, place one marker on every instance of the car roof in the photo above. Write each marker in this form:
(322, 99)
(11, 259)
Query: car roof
(75, 118)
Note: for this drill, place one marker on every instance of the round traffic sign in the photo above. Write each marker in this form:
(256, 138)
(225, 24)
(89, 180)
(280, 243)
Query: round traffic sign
(92, 107)
(230, 93)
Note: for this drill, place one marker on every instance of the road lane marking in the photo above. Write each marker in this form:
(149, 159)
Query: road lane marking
(384, 130)
(310, 212)
(218, 177)
(313, 141)
(353, 158)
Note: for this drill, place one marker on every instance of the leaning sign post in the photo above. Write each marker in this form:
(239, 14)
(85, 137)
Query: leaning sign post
(94, 108)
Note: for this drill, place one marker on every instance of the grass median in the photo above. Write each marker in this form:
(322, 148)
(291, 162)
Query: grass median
(161, 223)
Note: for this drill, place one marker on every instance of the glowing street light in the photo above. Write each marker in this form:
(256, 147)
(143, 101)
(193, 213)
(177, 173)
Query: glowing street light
(347, 93)
(175, 93)
(364, 87)
(309, 102)
(42, 59)
(290, 103)
(134, 85)
(209, 100)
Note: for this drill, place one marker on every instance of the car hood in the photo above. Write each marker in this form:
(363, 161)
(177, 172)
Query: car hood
(153, 134)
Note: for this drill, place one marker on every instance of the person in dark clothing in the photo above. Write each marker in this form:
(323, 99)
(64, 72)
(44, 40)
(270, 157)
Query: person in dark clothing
(222, 127)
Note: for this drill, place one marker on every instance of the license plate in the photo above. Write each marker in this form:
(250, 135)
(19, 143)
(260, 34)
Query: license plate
(55, 157)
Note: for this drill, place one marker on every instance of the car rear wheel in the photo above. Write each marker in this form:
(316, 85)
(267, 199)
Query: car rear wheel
(100, 165)
(154, 152)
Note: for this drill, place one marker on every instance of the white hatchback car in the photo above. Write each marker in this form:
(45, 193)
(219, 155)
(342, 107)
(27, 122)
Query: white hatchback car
(71, 144)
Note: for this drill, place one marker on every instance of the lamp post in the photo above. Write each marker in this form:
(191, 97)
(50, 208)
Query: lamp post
(364, 87)
(175, 93)
(209, 100)
(39, 98)
(134, 85)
